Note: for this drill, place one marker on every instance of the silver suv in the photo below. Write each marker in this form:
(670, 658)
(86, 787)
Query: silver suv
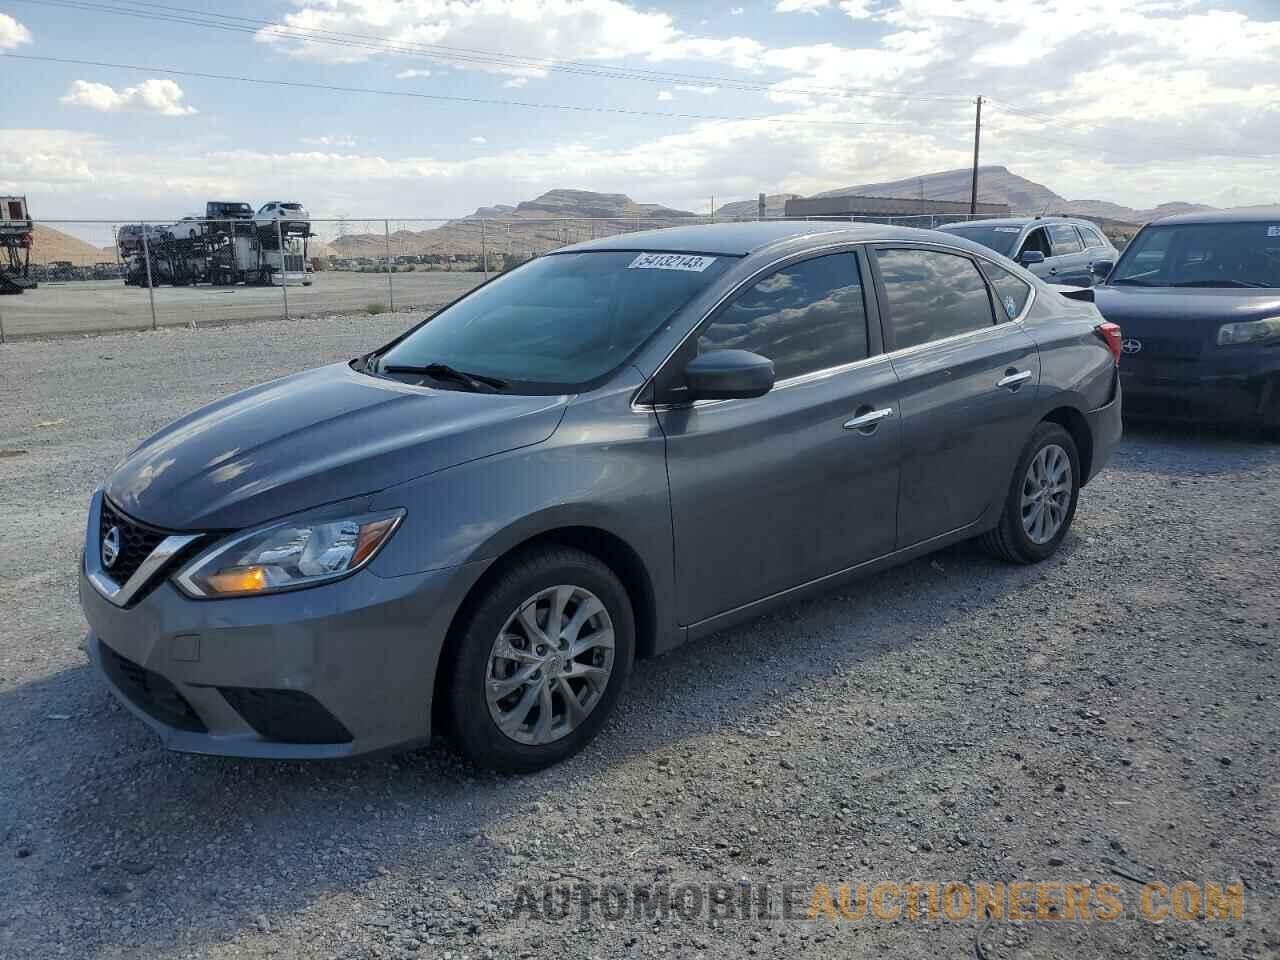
(1056, 249)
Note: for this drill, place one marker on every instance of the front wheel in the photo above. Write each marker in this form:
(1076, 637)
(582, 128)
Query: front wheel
(541, 661)
(1041, 501)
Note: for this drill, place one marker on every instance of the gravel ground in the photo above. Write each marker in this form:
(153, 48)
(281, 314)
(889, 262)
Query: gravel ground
(1110, 716)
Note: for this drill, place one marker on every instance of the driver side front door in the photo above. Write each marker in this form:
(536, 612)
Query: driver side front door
(775, 491)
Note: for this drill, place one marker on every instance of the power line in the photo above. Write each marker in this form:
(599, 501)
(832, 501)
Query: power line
(335, 88)
(186, 16)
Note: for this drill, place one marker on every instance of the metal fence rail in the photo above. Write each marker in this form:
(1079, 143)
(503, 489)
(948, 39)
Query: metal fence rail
(94, 276)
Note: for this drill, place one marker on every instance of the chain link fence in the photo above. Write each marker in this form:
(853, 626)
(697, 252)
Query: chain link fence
(93, 276)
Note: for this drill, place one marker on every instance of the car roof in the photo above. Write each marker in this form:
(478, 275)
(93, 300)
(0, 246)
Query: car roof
(1267, 214)
(741, 239)
(1013, 222)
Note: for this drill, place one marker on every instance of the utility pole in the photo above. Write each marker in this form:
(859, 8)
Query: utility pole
(761, 204)
(713, 208)
(977, 138)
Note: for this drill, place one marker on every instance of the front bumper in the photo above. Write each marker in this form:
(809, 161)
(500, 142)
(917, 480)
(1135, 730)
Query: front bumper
(1199, 393)
(331, 671)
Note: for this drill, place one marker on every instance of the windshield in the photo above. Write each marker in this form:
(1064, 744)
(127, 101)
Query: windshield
(560, 321)
(999, 239)
(1202, 255)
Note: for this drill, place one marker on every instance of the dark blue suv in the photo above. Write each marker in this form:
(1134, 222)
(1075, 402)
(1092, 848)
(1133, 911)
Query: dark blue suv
(1197, 298)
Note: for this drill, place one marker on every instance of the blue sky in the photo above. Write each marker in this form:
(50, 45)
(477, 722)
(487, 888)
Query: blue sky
(1136, 101)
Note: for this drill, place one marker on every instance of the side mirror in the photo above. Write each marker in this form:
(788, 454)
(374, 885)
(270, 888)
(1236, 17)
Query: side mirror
(1101, 268)
(1028, 257)
(728, 375)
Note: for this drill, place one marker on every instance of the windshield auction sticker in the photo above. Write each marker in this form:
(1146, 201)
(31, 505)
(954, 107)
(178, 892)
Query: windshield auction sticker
(670, 261)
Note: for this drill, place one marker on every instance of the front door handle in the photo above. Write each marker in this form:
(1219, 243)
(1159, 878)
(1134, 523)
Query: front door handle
(867, 421)
(1014, 379)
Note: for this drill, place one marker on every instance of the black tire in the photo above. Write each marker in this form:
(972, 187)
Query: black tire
(471, 725)
(1009, 540)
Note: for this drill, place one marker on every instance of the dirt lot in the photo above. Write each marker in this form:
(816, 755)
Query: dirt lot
(89, 306)
(1111, 717)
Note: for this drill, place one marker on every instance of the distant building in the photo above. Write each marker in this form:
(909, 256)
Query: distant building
(854, 206)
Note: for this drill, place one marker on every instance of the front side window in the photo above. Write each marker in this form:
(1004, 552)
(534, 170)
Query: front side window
(1012, 292)
(1037, 239)
(1202, 255)
(931, 295)
(1065, 239)
(558, 322)
(804, 317)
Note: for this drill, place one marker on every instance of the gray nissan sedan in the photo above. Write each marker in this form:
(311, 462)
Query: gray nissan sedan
(595, 457)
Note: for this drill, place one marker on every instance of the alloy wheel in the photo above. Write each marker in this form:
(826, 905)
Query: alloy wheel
(1046, 493)
(550, 665)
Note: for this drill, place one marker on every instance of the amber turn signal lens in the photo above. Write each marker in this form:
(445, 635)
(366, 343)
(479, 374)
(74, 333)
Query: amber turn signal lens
(371, 535)
(238, 580)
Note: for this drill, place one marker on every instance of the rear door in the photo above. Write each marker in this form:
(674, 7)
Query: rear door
(1069, 263)
(772, 492)
(968, 384)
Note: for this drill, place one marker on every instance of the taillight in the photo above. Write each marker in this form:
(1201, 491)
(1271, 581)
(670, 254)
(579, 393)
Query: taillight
(1111, 336)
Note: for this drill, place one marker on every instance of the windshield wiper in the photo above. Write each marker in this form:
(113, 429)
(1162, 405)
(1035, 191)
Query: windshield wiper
(1232, 282)
(442, 371)
(1131, 282)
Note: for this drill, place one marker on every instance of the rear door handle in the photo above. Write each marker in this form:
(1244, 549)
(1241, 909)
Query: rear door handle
(869, 419)
(1012, 380)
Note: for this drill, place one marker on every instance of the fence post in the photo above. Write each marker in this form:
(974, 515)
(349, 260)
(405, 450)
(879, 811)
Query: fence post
(484, 252)
(284, 272)
(151, 287)
(391, 285)
(1, 326)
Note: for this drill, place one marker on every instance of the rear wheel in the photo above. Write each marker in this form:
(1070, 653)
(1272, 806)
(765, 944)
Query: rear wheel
(542, 660)
(1041, 501)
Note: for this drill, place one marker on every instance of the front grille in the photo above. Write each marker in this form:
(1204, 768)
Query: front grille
(286, 716)
(150, 692)
(137, 541)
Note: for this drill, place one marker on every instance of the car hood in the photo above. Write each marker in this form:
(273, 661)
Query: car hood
(1216, 304)
(314, 438)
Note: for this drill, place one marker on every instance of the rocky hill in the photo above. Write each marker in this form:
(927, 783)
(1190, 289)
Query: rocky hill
(48, 245)
(995, 185)
(583, 215)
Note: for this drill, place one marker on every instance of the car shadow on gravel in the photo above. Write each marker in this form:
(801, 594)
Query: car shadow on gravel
(117, 847)
(1192, 449)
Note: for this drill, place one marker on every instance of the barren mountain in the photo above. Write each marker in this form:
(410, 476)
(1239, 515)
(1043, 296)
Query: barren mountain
(582, 215)
(995, 185)
(48, 245)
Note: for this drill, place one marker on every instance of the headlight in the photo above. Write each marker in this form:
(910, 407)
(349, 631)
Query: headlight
(287, 555)
(1252, 331)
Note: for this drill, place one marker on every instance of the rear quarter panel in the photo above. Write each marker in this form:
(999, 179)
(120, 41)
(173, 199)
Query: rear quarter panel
(1076, 368)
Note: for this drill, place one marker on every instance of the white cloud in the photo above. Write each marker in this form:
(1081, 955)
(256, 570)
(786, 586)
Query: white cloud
(548, 29)
(410, 74)
(801, 6)
(479, 140)
(736, 11)
(1207, 80)
(12, 33)
(666, 95)
(705, 91)
(857, 9)
(164, 97)
(328, 141)
(515, 83)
